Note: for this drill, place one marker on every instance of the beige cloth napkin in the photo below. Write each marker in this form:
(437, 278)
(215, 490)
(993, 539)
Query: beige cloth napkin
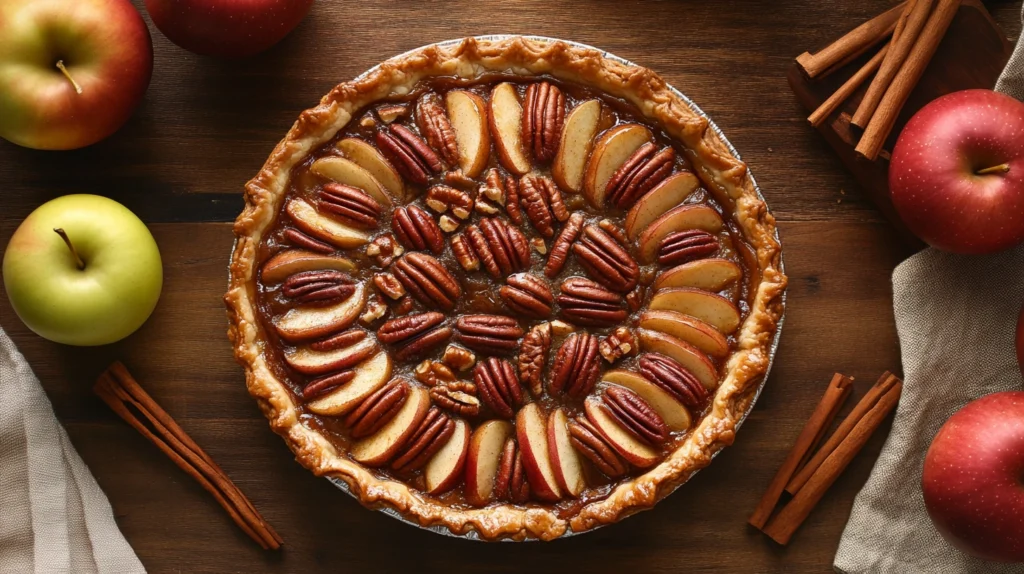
(53, 515)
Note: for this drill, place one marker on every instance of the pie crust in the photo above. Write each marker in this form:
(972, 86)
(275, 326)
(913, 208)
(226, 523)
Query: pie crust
(724, 175)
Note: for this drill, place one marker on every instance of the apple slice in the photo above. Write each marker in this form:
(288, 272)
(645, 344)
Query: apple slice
(688, 329)
(532, 436)
(308, 219)
(378, 448)
(292, 261)
(707, 274)
(367, 157)
(679, 218)
(674, 413)
(348, 172)
(708, 307)
(505, 117)
(301, 323)
(482, 461)
(610, 152)
(310, 362)
(445, 468)
(577, 141)
(631, 449)
(468, 114)
(684, 353)
(371, 375)
(564, 459)
(666, 195)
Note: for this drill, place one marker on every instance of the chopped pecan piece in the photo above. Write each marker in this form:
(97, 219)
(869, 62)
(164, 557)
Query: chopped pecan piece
(543, 117)
(428, 280)
(300, 239)
(533, 355)
(682, 246)
(416, 229)
(560, 249)
(377, 409)
(458, 358)
(433, 373)
(674, 378)
(349, 204)
(458, 397)
(410, 155)
(441, 198)
(320, 287)
(589, 443)
(619, 344)
(542, 202)
(425, 441)
(606, 261)
(498, 386)
(464, 253)
(639, 174)
(576, 367)
(323, 385)
(389, 285)
(635, 415)
(390, 113)
(384, 249)
(510, 482)
(414, 334)
(528, 295)
(492, 334)
(584, 302)
(432, 119)
(501, 248)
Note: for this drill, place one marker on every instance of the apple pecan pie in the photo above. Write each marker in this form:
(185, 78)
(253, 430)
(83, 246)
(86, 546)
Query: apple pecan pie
(509, 287)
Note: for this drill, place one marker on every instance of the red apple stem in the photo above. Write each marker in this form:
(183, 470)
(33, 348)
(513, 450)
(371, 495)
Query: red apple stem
(78, 258)
(67, 74)
(1001, 168)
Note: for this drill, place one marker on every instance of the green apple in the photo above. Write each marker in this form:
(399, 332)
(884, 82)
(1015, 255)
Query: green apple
(83, 270)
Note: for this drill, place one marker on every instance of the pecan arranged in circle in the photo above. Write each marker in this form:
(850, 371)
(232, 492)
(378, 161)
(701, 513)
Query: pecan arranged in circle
(493, 334)
(674, 378)
(425, 441)
(410, 155)
(323, 385)
(458, 397)
(588, 442)
(635, 415)
(542, 202)
(576, 367)
(498, 386)
(501, 248)
(441, 198)
(414, 334)
(428, 280)
(606, 261)
(682, 246)
(639, 174)
(510, 482)
(432, 119)
(584, 302)
(543, 116)
(350, 204)
(377, 409)
(300, 239)
(319, 287)
(526, 294)
(533, 354)
(560, 250)
(416, 229)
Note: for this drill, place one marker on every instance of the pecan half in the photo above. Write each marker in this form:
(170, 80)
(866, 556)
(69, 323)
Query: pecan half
(416, 229)
(606, 261)
(588, 442)
(428, 280)
(682, 246)
(668, 374)
(458, 397)
(639, 174)
(300, 239)
(323, 385)
(464, 253)
(542, 202)
(339, 341)
(377, 409)
(576, 367)
(319, 287)
(560, 249)
(543, 117)
(432, 119)
(414, 334)
(533, 354)
(498, 386)
(584, 302)
(510, 482)
(350, 204)
(635, 415)
(526, 294)
(501, 248)
(492, 334)
(619, 344)
(441, 198)
(410, 155)
(425, 441)
(515, 213)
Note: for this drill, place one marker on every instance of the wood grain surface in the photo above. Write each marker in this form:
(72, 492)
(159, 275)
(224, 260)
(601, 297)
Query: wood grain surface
(206, 126)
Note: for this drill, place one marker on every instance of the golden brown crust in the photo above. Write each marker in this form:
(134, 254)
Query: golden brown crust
(724, 175)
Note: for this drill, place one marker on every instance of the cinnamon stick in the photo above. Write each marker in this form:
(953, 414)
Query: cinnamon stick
(793, 514)
(129, 401)
(850, 46)
(903, 83)
(838, 389)
(847, 89)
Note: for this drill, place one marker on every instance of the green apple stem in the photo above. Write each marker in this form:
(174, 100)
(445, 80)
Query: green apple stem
(67, 74)
(1001, 168)
(74, 252)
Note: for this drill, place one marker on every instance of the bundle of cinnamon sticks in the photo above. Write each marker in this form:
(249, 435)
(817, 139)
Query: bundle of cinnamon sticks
(908, 36)
(806, 474)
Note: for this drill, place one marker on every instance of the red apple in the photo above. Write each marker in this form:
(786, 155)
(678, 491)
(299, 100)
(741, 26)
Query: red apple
(227, 28)
(974, 478)
(71, 71)
(957, 172)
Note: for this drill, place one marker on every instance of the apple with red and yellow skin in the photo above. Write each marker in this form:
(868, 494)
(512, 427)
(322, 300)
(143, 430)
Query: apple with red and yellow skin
(71, 71)
(83, 270)
(227, 28)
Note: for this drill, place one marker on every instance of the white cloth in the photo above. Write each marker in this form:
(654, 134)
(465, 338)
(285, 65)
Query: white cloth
(53, 515)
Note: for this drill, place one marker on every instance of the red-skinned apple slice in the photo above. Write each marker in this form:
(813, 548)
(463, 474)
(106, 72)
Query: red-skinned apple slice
(678, 218)
(631, 449)
(371, 375)
(707, 274)
(709, 307)
(684, 353)
(378, 448)
(505, 118)
(310, 362)
(302, 323)
(564, 459)
(292, 261)
(367, 157)
(674, 413)
(468, 114)
(666, 195)
(574, 149)
(688, 329)
(482, 461)
(610, 152)
(308, 219)
(348, 172)
(445, 468)
(532, 436)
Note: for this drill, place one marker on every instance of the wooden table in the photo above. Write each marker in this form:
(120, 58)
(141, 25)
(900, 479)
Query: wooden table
(206, 126)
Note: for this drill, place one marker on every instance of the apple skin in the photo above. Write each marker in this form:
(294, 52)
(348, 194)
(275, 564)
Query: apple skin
(973, 474)
(1020, 341)
(227, 28)
(106, 48)
(933, 175)
(104, 302)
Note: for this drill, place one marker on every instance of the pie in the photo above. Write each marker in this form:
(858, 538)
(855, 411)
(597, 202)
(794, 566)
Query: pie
(509, 287)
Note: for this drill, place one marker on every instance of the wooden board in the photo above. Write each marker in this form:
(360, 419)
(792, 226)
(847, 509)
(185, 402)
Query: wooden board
(971, 55)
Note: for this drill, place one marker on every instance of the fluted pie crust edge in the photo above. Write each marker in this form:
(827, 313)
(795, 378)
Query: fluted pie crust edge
(721, 172)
